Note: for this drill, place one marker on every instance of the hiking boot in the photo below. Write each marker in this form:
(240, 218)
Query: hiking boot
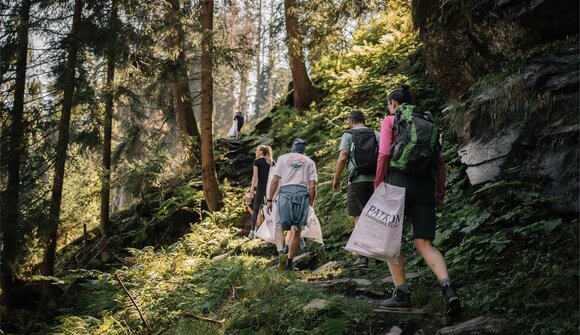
(452, 303)
(400, 301)
(290, 267)
(282, 262)
(361, 262)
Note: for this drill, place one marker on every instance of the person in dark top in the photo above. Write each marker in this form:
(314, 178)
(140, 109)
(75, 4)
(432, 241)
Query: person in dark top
(423, 195)
(240, 120)
(261, 168)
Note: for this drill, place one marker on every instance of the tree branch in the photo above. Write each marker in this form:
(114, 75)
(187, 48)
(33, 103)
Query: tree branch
(134, 303)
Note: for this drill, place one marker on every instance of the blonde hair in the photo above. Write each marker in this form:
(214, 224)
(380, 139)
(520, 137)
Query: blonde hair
(267, 152)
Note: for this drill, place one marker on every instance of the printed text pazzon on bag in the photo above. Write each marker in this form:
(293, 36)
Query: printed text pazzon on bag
(382, 217)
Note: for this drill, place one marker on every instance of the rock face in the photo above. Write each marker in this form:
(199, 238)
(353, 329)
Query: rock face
(543, 144)
(527, 119)
(485, 158)
(467, 39)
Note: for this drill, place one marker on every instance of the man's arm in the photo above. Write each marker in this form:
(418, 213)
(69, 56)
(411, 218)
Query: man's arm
(340, 165)
(273, 189)
(312, 191)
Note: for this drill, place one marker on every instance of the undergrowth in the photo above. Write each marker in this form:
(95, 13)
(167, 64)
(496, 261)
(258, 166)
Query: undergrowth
(507, 252)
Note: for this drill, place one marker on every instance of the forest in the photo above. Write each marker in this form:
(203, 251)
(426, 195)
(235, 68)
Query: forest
(123, 192)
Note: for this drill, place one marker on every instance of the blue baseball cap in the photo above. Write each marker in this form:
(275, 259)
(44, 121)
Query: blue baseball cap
(299, 145)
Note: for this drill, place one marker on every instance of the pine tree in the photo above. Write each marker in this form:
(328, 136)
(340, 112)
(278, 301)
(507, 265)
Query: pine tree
(211, 190)
(10, 200)
(62, 144)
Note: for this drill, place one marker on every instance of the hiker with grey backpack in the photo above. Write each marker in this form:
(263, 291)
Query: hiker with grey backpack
(410, 157)
(358, 151)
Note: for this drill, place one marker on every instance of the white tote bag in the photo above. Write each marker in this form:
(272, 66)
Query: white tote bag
(267, 230)
(379, 229)
(312, 230)
(232, 131)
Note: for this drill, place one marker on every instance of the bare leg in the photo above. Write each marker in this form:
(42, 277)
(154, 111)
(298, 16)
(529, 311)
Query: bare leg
(294, 243)
(279, 237)
(398, 271)
(432, 257)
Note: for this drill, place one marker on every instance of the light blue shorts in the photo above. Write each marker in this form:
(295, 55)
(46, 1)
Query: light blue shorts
(293, 204)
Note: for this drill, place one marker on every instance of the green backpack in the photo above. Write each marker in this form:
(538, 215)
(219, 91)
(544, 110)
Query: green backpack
(417, 148)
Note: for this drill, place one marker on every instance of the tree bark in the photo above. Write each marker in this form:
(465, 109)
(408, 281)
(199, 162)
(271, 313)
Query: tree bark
(184, 108)
(259, 74)
(62, 143)
(182, 102)
(211, 190)
(270, 69)
(10, 205)
(243, 101)
(304, 91)
(105, 226)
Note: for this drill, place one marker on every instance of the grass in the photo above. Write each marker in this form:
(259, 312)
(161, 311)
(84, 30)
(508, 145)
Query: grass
(507, 252)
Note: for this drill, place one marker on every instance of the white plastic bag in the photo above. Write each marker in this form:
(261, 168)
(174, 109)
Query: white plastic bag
(233, 129)
(267, 230)
(379, 229)
(312, 230)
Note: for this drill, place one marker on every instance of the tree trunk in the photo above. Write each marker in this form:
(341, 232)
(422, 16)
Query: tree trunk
(182, 102)
(243, 101)
(304, 91)
(259, 74)
(211, 190)
(10, 206)
(270, 69)
(108, 126)
(223, 116)
(62, 144)
(184, 108)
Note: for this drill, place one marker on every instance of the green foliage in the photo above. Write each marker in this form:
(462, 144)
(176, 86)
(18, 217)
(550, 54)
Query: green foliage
(187, 196)
(511, 255)
(141, 175)
(173, 286)
(508, 253)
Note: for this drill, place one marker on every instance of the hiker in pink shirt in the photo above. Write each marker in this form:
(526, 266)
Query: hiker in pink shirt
(424, 183)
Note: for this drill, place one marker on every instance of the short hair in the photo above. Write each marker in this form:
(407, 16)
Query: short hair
(357, 116)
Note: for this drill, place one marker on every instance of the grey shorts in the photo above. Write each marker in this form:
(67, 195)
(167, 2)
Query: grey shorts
(357, 196)
(293, 205)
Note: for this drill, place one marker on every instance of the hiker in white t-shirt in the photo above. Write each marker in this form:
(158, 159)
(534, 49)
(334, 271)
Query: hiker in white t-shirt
(296, 175)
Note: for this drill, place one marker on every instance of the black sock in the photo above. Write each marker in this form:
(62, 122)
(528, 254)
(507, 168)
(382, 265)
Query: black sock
(403, 287)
